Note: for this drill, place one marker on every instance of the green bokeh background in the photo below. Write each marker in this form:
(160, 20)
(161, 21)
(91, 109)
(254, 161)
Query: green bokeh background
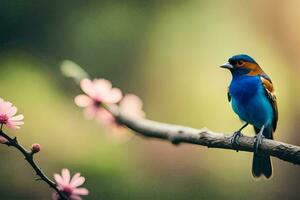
(167, 52)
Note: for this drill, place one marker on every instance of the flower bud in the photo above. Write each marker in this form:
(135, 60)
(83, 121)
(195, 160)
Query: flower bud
(35, 148)
(3, 140)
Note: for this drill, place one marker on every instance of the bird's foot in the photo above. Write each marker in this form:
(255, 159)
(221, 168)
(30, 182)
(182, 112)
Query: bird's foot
(258, 140)
(234, 140)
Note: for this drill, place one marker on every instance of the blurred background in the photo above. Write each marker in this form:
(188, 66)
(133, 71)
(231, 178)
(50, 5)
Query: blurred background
(168, 53)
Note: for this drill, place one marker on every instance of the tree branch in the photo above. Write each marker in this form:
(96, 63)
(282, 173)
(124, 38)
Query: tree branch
(177, 134)
(29, 158)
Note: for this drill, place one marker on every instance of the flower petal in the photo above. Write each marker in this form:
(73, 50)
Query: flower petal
(55, 196)
(12, 126)
(75, 197)
(114, 96)
(80, 191)
(58, 179)
(4, 107)
(105, 117)
(102, 88)
(132, 105)
(74, 178)
(77, 181)
(90, 112)
(11, 111)
(66, 175)
(17, 118)
(88, 87)
(83, 100)
(14, 123)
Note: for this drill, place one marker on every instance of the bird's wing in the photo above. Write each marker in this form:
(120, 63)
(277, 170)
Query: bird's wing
(228, 95)
(267, 83)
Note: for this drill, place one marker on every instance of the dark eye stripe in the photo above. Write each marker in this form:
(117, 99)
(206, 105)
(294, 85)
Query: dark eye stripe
(233, 62)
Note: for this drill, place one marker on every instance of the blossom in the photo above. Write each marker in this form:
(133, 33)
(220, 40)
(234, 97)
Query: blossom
(7, 115)
(131, 105)
(35, 148)
(97, 92)
(69, 186)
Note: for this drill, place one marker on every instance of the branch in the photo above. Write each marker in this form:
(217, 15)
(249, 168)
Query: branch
(29, 158)
(177, 134)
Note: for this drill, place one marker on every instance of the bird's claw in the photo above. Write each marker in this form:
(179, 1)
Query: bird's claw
(258, 141)
(234, 140)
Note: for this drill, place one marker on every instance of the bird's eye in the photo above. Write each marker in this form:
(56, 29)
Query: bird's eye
(240, 63)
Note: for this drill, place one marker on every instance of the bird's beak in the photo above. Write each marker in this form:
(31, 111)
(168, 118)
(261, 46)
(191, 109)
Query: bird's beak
(227, 66)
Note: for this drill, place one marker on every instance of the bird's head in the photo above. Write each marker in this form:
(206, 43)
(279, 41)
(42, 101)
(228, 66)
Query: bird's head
(242, 64)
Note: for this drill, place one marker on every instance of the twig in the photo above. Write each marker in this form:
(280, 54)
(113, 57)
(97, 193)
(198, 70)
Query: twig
(177, 134)
(29, 158)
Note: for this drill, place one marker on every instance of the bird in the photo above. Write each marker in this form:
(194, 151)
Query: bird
(252, 97)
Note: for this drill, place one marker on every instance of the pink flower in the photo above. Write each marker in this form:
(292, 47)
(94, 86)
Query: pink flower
(7, 115)
(97, 92)
(131, 106)
(69, 186)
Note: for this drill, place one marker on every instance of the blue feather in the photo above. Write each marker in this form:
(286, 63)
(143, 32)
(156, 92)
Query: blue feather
(243, 57)
(249, 101)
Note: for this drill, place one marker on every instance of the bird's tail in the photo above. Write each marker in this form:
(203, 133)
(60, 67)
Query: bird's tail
(261, 164)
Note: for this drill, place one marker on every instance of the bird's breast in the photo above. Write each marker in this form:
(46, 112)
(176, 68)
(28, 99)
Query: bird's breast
(250, 102)
(244, 88)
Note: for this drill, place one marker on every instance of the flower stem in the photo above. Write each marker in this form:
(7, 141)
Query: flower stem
(29, 158)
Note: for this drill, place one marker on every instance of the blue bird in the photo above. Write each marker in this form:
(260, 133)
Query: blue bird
(253, 99)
